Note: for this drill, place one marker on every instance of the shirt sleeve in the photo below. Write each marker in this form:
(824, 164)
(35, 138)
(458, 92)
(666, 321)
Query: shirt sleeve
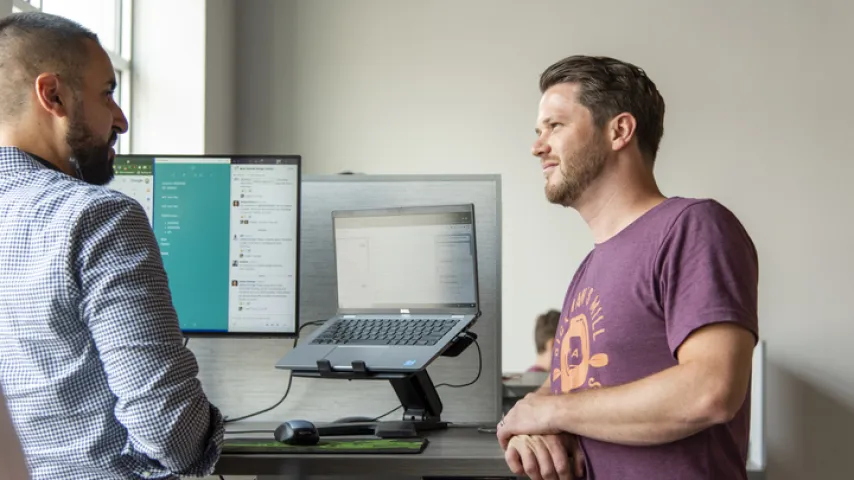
(709, 273)
(127, 305)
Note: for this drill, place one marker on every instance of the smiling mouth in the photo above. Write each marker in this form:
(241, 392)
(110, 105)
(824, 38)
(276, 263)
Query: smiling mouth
(548, 168)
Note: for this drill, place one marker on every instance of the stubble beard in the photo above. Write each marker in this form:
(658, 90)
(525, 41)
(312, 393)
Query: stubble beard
(577, 172)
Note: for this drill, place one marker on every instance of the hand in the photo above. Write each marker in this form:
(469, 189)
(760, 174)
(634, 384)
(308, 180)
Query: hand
(546, 457)
(529, 416)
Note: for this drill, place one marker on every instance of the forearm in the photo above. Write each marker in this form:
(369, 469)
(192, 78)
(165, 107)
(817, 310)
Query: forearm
(665, 407)
(544, 389)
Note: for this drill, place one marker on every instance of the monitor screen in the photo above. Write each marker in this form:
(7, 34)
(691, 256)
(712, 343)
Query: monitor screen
(228, 231)
(414, 258)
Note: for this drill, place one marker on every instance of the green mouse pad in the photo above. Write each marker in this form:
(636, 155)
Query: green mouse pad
(366, 446)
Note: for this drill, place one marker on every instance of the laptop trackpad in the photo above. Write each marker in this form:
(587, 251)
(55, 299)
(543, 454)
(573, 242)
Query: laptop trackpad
(343, 357)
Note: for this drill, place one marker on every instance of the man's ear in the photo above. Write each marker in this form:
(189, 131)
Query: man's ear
(621, 130)
(52, 94)
(550, 343)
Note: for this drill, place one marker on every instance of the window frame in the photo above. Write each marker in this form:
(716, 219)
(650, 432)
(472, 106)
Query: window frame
(121, 59)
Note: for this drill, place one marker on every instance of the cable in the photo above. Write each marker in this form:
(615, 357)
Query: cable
(186, 341)
(287, 389)
(388, 413)
(476, 378)
(291, 379)
(479, 370)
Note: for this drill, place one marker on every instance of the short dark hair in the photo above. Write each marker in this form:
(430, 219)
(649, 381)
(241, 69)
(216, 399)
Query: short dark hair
(609, 87)
(545, 329)
(32, 43)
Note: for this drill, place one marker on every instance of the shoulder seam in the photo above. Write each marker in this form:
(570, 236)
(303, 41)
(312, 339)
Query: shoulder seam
(694, 203)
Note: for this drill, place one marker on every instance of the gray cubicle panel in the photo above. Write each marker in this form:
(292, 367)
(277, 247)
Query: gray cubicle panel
(238, 374)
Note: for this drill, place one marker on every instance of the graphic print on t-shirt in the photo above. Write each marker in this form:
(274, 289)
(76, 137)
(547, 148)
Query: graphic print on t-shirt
(574, 351)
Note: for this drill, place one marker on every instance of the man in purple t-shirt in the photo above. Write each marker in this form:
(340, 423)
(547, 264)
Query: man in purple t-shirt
(652, 357)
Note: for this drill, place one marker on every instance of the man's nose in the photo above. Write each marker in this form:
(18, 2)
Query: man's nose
(540, 148)
(120, 121)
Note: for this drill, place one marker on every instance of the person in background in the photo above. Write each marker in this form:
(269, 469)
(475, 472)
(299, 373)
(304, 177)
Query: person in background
(659, 321)
(544, 338)
(13, 466)
(97, 379)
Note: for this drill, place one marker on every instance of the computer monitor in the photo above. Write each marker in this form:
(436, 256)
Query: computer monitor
(228, 231)
(419, 259)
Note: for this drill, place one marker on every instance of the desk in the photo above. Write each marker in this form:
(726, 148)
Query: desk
(455, 451)
(458, 451)
(516, 385)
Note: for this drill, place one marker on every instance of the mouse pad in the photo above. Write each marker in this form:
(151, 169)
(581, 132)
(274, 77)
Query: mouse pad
(371, 446)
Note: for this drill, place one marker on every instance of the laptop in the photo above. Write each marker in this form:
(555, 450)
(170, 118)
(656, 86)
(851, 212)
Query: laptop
(407, 287)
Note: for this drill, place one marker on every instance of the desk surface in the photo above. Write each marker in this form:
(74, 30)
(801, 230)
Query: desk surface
(517, 385)
(455, 451)
(460, 450)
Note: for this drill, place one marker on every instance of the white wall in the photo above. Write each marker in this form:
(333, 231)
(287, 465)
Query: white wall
(266, 43)
(220, 77)
(183, 84)
(759, 104)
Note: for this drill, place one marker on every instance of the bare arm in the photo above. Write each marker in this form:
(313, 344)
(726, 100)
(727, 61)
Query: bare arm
(545, 388)
(707, 387)
(708, 282)
(707, 278)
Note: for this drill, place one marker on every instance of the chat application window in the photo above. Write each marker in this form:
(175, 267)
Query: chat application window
(226, 229)
(192, 225)
(134, 177)
(262, 246)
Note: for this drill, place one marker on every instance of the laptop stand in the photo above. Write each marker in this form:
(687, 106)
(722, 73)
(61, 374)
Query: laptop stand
(417, 394)
(421, 404)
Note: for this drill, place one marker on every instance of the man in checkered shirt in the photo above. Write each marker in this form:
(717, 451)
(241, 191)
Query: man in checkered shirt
(97, 380)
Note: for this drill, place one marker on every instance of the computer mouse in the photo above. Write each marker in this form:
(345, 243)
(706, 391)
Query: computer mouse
(297, 432)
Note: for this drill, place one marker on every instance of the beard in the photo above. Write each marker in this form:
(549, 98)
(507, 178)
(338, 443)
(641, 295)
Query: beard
(91, 154)
(577, 172)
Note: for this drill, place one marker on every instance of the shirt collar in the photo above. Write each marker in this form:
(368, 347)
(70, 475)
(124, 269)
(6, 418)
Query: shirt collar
(13, 159)
(42, 161)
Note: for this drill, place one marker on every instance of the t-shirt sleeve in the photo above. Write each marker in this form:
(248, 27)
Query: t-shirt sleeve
(709, 273)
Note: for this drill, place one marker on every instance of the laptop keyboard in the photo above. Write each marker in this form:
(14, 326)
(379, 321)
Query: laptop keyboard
(385, 332)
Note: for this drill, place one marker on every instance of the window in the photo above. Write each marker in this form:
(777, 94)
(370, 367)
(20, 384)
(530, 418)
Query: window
(111, 21)
(26, 5)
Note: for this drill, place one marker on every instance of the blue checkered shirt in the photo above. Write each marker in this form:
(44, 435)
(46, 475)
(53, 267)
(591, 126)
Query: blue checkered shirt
(92, 360)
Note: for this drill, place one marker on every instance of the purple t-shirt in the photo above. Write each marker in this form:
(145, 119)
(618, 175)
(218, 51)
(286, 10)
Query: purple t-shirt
(635, 298)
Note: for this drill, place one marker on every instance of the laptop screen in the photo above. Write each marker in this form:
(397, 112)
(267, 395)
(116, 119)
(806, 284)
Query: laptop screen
(416, 258)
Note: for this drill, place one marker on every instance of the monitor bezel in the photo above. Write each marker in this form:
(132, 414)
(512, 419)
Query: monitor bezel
(405, 210)
(296, 159)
